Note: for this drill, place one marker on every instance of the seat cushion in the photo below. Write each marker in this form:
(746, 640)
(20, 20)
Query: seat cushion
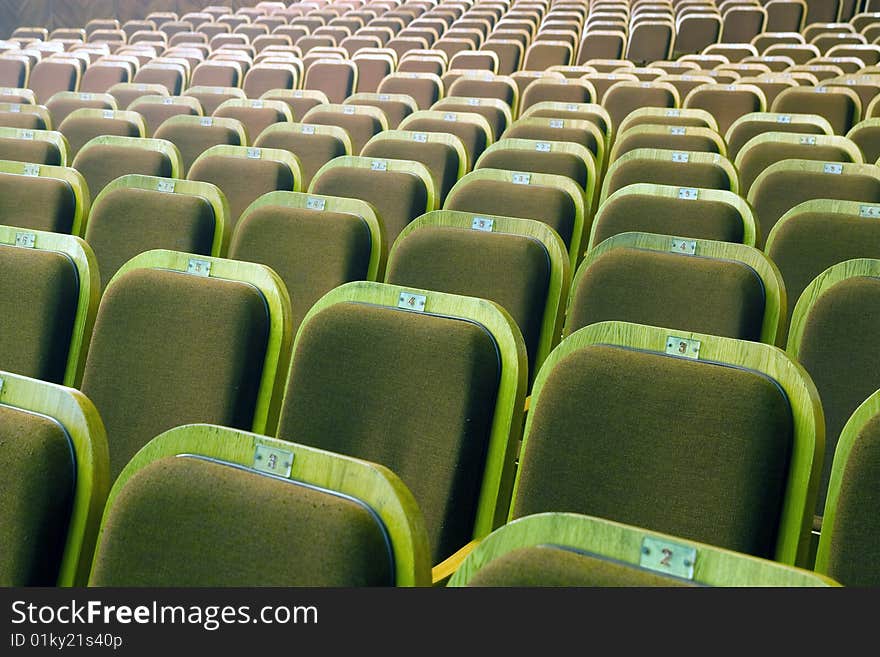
(193, 141)
(36, 202)
(555, 163)
(169, 349)
(102, 164)
(691, 174)
(37, 488)
(433, 434)
(80, 131)
(472, 135)
(29, 150)
(710, 444)
(191, 522)
(440, 159)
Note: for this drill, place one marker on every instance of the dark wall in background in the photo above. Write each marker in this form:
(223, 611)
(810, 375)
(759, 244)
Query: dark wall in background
(76, 13)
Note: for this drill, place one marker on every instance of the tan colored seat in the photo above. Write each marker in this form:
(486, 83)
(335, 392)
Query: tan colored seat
(313, 145)
(34, 146)
(727, 103)
(471, 128)
(300, 101)
(155, 110)
(82, 125)
(361, 122)
(43, 197)
(126, 93)
(64, 102)
(193, 135)
(626, 96)
(254, 115)
(50, 76)
(751, 125)
(669, 137)
(395, 106)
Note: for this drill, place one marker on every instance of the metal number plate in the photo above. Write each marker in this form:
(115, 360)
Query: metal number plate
(198, 267)
(26, 240)
(15, 108)
(667, 557)
(26, 134)
(313, 203)
(677, 130)
(348, 109)
(483, 223)
(688, 193)
(521, 178)
(384, 97)
(678, 156)
(206, 121)
(557, 123)
(31, 170)
(449, 116)
(421, 137)
(378, 165)
(257, 104)
(571, 107)
(473, 101)
(809, 140)
(273, 461)
(686, 247)
(308, 129)
(165, 186)
(869, 211)
(167, 101)
(543, 147)
(676, 346)
(254, 153)
(86, 97)
(785, 118)
(833, 168)
(410, 301)
(107, 114)
(821, 90)
(297, 94)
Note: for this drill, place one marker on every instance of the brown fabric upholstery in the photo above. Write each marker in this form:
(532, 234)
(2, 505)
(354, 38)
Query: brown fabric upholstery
(553, 162)
(411, 391)
(552, 206)
(170, 349)
(845, 317)
(554, 90)
(313, 151)
(79, 131)
(745, 131)
(59, 108)
(780, 192)
(259, 80)
(495, 116)
(192, 140)
(254, 119)
(511, 270)
(472, 135)
(577, 115)
(209, 98)
(101, 164)
(805, 246)
(39, 292)
(125, 96)
(23, 120)
(38, 203)
(758, 158)
(622, 99)
(360, 127)
(312, 251)
(130, 221)
(98, 79)
(856, 527)
(689, 141)
(556, 566)
(440, 159)
(170, 78)
(49, 77)
(424, 91)
(477, 88)
(542, 55)
(699, 218)
(690, 174)
(29, 150)
(242, 180)
(13, 73)
(214, 74)
(546, 132)
(371, 72)
(867, 138)
(395, 110)
(156, 113)
(838, 108)
(650, 42)
(722, 297)
(190, 522)
(37, 489)
(398, 197)
(299, 106)
(709, 444)
(336, 79)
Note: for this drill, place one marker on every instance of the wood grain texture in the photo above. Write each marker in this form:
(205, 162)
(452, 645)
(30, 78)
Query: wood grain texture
(611, 540)
(80, 418)
(381, 489)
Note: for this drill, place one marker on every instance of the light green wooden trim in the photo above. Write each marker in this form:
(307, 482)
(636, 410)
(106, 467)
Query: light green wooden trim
(208, 191)
(354, 99)
(447, 138)
(27, 108)
(25, 93)
(869, 123)
(163, 146)
(108, 100)
(313, 129)
(495, 489)
(819, 285)
(812, 167)
(187, 101)
(849, 436)
(576, 124)
(88, 292)
(775, 299)
(246, 153)
(560, 267)
(666, 113)
(76, 413)
(206, 90)
(475, 101)
(781, 118)
(577, 150)
(460, 117)
(872, 111)
(733, 88)
(842, 144)
(671, 131)
(843, 91)
(365, 211)
(373, 484)
(268, 405)
(615, 541)
(665, 155)
(293, 94)
(589, 108)
(344, 110)
(196, 122)
(400, 166)
(750, 228)
(279, 106)
(802, 483)
(69, 175)
(53, 137)
(583, 211)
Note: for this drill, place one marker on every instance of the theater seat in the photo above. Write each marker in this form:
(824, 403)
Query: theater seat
(43, 197)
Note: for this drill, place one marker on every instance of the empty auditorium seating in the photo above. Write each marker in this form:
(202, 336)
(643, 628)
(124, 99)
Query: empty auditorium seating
(193, 135)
